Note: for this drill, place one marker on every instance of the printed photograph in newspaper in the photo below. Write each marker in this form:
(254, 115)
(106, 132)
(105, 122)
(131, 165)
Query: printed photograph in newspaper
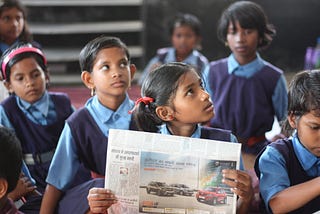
(154, 173)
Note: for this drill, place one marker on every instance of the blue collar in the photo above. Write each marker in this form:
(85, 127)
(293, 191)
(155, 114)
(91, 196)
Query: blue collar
(104, 114)
(306, 158)
(247, 70)
(163, 129)
(42, 104)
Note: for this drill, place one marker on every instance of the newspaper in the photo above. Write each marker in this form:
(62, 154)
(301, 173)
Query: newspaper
(155, 173)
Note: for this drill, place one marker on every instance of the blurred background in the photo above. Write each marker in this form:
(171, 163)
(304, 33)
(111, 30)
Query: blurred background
(63, 27)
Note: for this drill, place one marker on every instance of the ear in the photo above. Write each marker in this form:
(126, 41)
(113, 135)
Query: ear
(87, 79)
(165, 113)
(133, 69)
(3, 187)
(292, 120)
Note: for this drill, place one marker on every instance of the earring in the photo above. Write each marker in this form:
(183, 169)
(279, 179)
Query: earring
(92, 92)
(226, 44)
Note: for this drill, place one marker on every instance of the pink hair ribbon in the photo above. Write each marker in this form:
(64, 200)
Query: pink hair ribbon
(19, 51)
(145, 100)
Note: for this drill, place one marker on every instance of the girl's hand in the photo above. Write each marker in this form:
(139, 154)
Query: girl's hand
(100, 200)
(24, 187)
(240, 183)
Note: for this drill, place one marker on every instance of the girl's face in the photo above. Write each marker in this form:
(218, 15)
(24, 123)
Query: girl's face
(308, 129)
(111, 75)
(11, 25)
(184, 40)
(27, 80)
(242, 42)
(192, 103)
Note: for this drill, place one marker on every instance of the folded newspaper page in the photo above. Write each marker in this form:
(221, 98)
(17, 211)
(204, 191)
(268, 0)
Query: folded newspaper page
(155, 173)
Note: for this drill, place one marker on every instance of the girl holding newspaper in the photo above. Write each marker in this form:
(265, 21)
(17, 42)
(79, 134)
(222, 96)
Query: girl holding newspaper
(174, 102)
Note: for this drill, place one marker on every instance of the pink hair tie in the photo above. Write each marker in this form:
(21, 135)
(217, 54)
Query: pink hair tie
(145, 100)
(19, 51)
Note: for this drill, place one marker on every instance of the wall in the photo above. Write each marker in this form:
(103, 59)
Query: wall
(297, 23)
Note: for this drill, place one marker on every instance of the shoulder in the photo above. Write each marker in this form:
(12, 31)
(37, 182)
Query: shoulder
(162, 51)
(218, 62)
(272, 67)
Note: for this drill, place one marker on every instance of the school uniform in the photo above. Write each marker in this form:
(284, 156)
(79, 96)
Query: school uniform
(38, 127)
(84, 140)
(246, 99)
(166, 55)
(286, 163)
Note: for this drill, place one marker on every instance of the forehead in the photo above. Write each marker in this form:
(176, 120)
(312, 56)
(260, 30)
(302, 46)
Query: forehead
(111, 52)
(184, 28)
(13, 11)
(24, 65)
(188, 78)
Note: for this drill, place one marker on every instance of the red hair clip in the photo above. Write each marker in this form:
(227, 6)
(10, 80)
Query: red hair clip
(145, 100)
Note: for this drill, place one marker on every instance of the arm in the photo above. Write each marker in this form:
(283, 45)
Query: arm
(100, 200)
(63, 168)
(295, 196)
(241, 184)
(280, 99)
(50, 200)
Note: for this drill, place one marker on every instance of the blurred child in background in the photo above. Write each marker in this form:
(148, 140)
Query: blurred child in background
(185, 33)
(247, 91)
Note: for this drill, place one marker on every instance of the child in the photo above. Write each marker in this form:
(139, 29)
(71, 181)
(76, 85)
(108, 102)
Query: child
(107, 72)
(10, 166)
(247, 91)
(174, 102)
(13, 24)
(36, 115)
(13, 28)
(289, 168)
(185, 38)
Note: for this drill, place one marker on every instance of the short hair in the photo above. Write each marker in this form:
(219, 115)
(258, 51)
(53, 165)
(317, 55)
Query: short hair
(186, 19)
(25, 35)
(250, 16)
(304, 93)
(90, 51)
(10, 157)
(7, 62)
(303, 97)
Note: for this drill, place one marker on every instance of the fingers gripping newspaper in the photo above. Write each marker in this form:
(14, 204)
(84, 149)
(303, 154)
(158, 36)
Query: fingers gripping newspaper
(155, 173)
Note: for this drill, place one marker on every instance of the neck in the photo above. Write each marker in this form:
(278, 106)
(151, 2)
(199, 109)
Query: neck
(111, 102)
(246, 60)
(180, 130)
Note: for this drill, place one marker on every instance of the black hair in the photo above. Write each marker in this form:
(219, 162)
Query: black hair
(303, 96)
(161, 84)
(10, 157)
(250, 16)
(90, 51)
(186, 19)
(40, 60)
(25, 35)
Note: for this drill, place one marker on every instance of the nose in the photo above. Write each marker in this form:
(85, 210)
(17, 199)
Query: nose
(204, 95)
(116, 74)
(29, 82)
(240, 36)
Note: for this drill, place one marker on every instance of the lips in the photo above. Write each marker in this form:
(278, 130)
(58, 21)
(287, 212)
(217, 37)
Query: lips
(209, 107)
(118, 84)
